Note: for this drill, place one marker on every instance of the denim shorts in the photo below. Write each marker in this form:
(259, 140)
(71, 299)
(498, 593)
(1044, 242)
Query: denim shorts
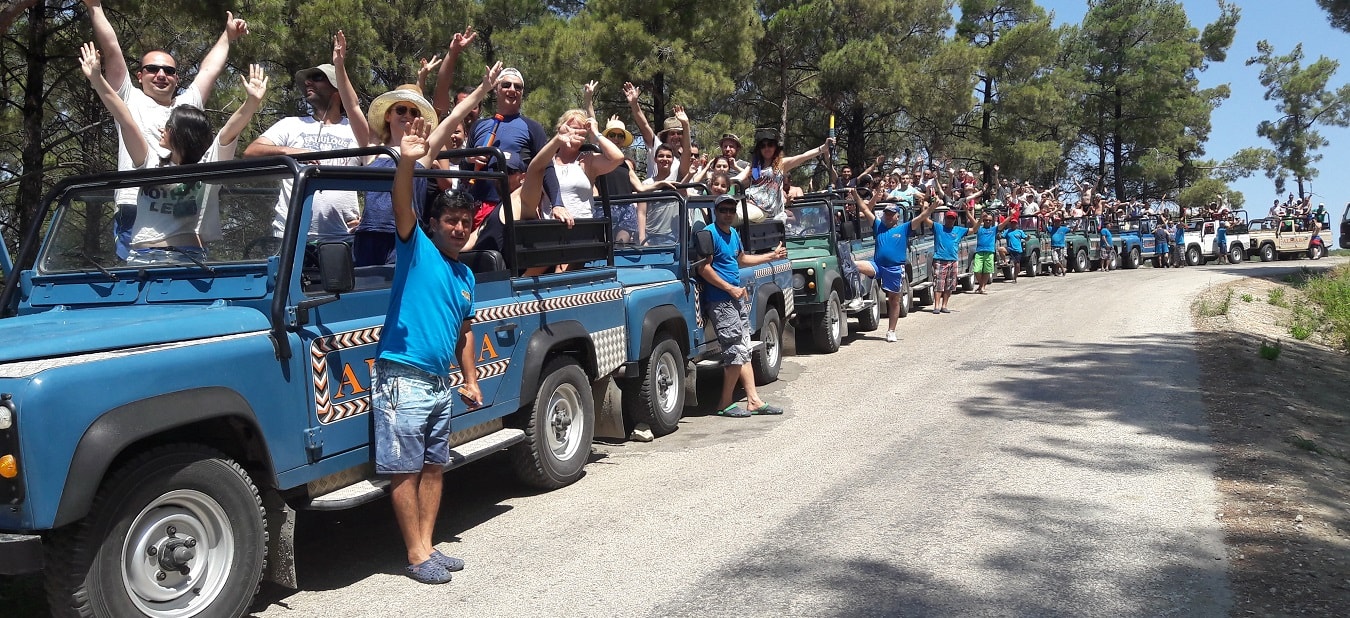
(412, 418)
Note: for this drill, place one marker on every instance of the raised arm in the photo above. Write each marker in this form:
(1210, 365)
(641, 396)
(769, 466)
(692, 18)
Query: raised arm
(631, 93)
(588, 95)
(411, 148)
(609, 158)
(441, 136)
(126, 123)
(791, 163)
(355, 117)
(532, 191)
(686, 140)
(445, 76)
(115, 65)
(256, 87)
(424, 69)
(214, 62)
(924, 215)
(873, 167)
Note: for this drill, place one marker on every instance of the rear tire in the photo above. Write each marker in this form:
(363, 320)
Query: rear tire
(1315, 252)
(1267, 253)
(558, 428)
(1236, 255)
(657, 396)
(184, 511)
(1034, 264)
(1193, 256)
(1080, 261)
(768, 361)
(1132, 261)
(870, 320)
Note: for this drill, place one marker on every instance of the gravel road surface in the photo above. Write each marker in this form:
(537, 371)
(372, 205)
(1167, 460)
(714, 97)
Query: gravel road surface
(1039, 451)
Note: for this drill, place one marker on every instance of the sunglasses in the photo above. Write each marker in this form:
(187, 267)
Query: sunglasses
(407, 110)
(726, 211)
(511, 86)
(156, 68)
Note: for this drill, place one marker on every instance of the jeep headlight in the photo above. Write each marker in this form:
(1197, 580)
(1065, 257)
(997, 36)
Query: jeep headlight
(798, 281)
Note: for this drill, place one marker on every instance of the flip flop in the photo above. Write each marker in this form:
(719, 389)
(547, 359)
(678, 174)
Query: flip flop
(768, 410)
(733, 411)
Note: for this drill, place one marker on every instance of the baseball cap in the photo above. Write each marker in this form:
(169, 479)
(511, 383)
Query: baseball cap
(725, 198)
(894, 208)
(951, 214)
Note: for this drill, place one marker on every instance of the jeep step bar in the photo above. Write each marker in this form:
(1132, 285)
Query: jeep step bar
(369, 490)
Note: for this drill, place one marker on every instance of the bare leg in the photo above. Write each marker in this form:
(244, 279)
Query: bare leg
(409, 515)
(748, 382)
(429, 502)
(865, 268)
(893, 308)
(730, 374)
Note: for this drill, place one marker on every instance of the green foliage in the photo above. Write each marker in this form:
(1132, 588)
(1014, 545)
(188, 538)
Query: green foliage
(1246, 298)
(1330, 292)
(1276, 297)
(1270, 351)
(1206, 190)
(1206, 309)
(1303, 101)
(1338, 11)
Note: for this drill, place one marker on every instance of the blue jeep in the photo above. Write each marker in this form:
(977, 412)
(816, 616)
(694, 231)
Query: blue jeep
(162, 422)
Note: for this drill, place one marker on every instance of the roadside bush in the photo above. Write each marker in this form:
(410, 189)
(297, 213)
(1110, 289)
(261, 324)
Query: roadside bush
(1270, 351)
(1276, 298)
(1208, 310)
(1246, 298)
(1331, 293)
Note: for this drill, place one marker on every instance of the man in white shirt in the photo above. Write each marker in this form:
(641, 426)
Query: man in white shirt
(335, 213)
(157, 95)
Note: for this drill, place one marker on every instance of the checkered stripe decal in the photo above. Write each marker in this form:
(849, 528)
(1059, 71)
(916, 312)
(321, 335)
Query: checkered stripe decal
(789, 305)
(318, 361)
(357, 407)
(769, 271)
(489, 314)
(611, 348)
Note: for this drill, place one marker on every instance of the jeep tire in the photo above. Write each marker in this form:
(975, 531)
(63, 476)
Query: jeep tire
(1315, 252)
(1080, 261)
(767, 360)
(870, 319)
(558, 427)
(1033, 264)
(826, 325)
(1236, 255)
(1267, 252)
(656, 397)
(176, 531)
(1132, 259)
(1193, 256)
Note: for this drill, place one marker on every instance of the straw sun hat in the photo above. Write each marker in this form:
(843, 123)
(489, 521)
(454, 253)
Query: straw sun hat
(616, 130)
(382, 103)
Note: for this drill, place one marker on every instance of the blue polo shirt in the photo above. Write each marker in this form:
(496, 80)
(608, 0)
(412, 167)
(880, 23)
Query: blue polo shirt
(1181, 234)
(892, 244)
(986, 239)
(1015, 238)
(1057, 235)
(1106, 238)
(1221, 235)
(431, 297)
(944, 242)
(727, 245)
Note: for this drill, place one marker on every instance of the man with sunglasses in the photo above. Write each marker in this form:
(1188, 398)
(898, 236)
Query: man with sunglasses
(515, 134)
(727, 302)
(157, 96)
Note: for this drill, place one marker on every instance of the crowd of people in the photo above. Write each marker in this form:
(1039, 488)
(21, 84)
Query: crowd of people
(422, 225)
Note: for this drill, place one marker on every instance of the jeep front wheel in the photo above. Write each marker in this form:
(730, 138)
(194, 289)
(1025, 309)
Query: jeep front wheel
(657, 396)
(1133, 259)
(825, 331)
(1080, 261)
(1034, 264)
(1236, 255)
(769, 359)
(870, 319)
(1267, 253)
(176, 532)
(558, 428)
(1193, 256)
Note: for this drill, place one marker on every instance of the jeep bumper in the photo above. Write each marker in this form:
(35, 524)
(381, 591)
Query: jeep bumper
(20, 553)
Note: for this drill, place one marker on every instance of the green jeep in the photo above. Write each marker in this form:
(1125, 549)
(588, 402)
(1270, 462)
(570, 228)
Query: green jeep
(822, 243)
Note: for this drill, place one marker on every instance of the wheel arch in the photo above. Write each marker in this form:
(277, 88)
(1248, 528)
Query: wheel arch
(664, 319)
(212, 416)
(767, 296)
(554, 339)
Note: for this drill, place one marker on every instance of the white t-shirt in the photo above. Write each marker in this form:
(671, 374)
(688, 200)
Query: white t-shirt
(332, 209)
(150, 117)
(181, 213)
(674, 165)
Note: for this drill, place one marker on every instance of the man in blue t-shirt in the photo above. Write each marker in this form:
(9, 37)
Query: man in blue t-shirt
(986, 244)
(1221, 240)
(946, 241)
(1058, 243)
(1015, 238)
(425, 330)
(1179, 244)
(892, 250)
(1162, 237)
(728, 303)
(1105, 248)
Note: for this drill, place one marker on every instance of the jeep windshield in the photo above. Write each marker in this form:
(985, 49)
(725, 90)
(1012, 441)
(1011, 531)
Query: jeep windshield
(808, 220)
(179, 218)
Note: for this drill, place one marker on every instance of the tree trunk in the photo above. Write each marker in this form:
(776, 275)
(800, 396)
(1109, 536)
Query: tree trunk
(986, 122)
(659, 104)
(1117, 149)
(858, 157)
(29, 197)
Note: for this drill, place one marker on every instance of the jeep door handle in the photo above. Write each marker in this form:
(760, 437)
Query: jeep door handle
(507, 328)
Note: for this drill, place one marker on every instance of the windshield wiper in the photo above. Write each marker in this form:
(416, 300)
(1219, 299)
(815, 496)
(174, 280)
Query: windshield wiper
(107, 273)
(188, 255)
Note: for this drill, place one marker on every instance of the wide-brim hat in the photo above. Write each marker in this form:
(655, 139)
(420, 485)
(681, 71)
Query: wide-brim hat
(732, 137)
(382, 103)
(617, 126)
(327, 70)
(671, 124)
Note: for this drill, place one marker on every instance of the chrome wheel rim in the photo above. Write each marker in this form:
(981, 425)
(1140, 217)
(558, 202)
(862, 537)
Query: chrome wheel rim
(563, 416)
(177, 555)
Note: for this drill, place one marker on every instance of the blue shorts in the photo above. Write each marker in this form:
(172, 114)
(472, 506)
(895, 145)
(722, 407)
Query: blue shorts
(412, 418)
(892, 277)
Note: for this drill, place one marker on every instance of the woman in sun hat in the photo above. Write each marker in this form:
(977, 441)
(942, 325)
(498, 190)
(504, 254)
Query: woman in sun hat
(767, 174)
(385, 124)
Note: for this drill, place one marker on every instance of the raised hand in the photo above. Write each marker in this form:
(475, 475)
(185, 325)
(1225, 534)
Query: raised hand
(589, 88)
(680, 115)
(631, 92)
(414, 143)
(339, 48)
(428, 67)
(462, 40)
(492, 74)
(90, 61)
(256, 82)
(234, 28)
(614, 118)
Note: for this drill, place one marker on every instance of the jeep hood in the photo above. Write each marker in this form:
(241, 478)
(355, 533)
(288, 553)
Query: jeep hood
(66, 332)
(807, 253)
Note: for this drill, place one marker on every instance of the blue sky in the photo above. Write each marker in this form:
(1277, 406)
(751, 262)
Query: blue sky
(1285, 23)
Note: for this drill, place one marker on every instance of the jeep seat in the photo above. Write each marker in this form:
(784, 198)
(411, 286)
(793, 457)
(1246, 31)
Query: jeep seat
(486, 264)
(544, 242)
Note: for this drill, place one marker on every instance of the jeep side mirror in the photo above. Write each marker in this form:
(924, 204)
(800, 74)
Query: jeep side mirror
(336, 269)
(703, 243)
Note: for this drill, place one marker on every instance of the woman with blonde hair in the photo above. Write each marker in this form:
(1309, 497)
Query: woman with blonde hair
(578, 171)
